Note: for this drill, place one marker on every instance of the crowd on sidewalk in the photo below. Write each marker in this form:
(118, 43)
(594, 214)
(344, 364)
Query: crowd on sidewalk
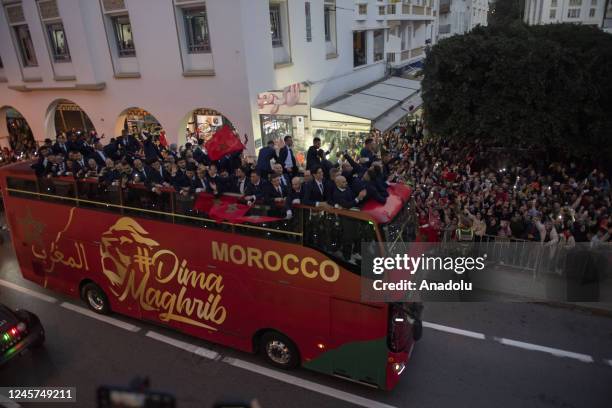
(480, 191)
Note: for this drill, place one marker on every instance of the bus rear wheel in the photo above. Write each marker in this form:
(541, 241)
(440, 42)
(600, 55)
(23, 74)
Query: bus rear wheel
(95, 298)
(279, 350)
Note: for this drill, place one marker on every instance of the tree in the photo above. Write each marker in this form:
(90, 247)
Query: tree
(548, 86)
(504, 12)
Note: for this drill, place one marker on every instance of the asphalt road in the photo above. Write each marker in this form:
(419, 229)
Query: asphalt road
(471, 355)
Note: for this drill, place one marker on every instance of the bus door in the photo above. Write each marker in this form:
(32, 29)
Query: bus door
(358, 330)
(359, 333)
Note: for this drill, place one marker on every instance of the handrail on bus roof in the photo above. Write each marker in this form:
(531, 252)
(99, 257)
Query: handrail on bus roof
(23, 171)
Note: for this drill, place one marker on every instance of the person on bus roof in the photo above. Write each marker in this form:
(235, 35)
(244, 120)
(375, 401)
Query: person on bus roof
(255, 191)
(344, 197)
(318, 191)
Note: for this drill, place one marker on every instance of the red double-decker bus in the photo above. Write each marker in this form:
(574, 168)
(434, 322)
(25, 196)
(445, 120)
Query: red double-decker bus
(289, 289)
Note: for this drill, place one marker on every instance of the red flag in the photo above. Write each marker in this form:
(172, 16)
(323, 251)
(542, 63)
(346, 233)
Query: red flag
(257, 219)
(223, 142)
(205, 202)
(230, 212)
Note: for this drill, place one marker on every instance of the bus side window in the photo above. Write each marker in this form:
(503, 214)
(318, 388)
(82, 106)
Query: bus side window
(62, 191)
(141, 202)
(338, 236)
(21, 184)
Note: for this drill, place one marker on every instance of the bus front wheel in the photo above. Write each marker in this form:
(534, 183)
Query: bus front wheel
(95, 298)
(279, 350)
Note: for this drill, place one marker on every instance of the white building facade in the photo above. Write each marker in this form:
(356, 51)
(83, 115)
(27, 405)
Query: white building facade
(607, 20)
(461, 16)
(260, 65)
(564, 11)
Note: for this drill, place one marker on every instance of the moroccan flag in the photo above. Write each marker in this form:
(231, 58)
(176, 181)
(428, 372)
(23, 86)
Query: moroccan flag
(205, 202)
(223, 142)
(230, 212)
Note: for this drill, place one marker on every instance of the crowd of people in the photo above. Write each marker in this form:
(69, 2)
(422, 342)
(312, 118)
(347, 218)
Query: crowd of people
(476, 191)
(469, 191)
(273, 179)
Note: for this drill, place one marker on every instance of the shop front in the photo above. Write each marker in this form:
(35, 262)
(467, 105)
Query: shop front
(138, 120)
(345, 122)
(285, 113)
(204, 123)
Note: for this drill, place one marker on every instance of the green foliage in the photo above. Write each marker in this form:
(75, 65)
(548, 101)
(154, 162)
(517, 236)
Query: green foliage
(504, 12)
(549, 86)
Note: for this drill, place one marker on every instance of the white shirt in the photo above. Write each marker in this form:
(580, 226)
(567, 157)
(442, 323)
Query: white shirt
(288, 160)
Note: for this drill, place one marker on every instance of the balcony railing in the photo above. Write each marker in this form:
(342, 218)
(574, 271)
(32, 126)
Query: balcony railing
(415, 52)
(405, 55)
(407, 9)
(418, 10)
(391, 57)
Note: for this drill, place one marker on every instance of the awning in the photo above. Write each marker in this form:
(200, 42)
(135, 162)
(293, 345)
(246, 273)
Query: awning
(390, 119)
(382, 104)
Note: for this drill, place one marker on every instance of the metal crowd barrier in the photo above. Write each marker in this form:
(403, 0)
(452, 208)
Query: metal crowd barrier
(531, 256)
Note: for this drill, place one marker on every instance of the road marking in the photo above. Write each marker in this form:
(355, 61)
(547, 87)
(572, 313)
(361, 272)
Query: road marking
(8, 403)
(27, 291)
(214, 355)
(454, 330)
(554, 351)
(192, 348)
(309, 385)
(106, 319)
(514, 343)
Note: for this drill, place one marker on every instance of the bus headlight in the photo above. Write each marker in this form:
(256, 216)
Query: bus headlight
(399, 368)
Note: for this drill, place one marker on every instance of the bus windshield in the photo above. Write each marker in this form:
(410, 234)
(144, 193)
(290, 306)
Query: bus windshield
(400, 229)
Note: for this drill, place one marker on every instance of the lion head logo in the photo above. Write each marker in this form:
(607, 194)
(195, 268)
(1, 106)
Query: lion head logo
(119, 245)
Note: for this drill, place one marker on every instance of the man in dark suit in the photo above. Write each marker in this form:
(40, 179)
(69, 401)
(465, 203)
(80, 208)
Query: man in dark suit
(344, 197)
(287, 158)
(199, 155)
(367, 182)
(295, 196)
(43, 163)
(275, 196)
(128, 143)
(75, 142)
(151, 147)
(230, 162)
(159, 175)
(255, 191)
(141, 173)
(318, 192)
(98, 154)
(285, 178)
(239, 183)
(179, 175)
(215, 182)
(312, 156)
(367, 155)
(266, 155)
(60, 145)
(200, 183)
(78, 167)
